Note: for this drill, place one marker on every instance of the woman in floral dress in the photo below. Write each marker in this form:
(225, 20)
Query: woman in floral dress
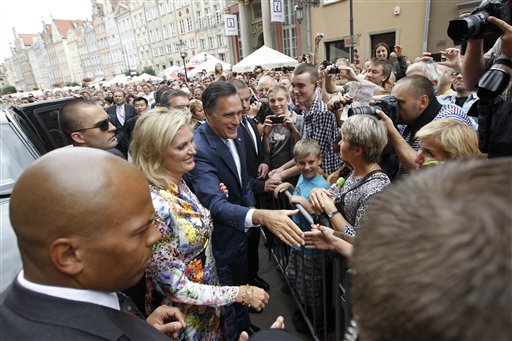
(182, 268)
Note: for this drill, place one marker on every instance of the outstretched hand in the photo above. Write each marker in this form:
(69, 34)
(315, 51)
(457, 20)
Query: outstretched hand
(279, 223)
(506, 37)
(168, 320)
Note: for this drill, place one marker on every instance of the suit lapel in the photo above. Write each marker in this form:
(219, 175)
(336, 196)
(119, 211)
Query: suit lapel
(91, 318)
(247, 135)
(221, 149)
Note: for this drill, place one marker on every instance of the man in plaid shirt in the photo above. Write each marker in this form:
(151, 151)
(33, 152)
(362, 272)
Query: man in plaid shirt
(319, 122)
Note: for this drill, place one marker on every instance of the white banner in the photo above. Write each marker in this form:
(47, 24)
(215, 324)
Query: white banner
(277, 11)
(230, 25)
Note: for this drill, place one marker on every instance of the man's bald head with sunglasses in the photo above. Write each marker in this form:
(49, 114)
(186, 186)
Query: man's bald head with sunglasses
(86, 124)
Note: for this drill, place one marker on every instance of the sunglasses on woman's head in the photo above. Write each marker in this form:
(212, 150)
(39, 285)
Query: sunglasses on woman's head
(103, 125)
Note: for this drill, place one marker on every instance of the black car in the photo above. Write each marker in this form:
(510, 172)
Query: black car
(27, 132)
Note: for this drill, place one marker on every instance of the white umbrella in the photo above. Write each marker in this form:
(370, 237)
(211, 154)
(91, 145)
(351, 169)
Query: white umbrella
(167, 72)
(265, 57)
(209, 66)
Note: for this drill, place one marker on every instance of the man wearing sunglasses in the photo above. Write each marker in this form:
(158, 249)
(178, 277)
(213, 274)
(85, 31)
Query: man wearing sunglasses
(86, 124)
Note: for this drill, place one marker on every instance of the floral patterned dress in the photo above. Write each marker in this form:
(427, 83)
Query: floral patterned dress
(182, 268)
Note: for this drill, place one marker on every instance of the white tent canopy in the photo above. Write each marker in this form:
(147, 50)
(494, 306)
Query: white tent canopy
(265, 57)
(201, 58)
(146, 77)
(209, 66)
(119, 79)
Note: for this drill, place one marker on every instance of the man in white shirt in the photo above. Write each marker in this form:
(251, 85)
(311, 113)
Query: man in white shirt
(79, 245)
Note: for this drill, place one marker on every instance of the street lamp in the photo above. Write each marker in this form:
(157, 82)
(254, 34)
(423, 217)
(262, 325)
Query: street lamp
(299, 9)
(183, 55)
(299, 14)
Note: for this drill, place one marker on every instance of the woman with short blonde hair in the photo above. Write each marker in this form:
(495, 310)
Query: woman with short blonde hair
(445, 139)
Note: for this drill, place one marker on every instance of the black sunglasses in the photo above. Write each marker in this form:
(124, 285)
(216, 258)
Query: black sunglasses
(103, 125)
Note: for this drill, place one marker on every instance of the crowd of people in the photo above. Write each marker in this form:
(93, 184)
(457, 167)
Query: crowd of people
(205, 156)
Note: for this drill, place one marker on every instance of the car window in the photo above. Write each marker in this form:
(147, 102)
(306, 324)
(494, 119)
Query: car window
(15, 157)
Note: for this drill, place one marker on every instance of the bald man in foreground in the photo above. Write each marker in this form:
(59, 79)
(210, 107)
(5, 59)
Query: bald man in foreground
(78, 247)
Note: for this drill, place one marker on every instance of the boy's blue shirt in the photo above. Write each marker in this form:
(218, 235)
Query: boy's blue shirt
(303, 189)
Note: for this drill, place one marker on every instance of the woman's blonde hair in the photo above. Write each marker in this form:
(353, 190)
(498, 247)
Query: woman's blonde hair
(194, 105)
(153, 133)
(455, 138)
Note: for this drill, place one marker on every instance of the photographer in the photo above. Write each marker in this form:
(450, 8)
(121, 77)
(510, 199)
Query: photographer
(476, 62)
(418, 106)
(495, 124)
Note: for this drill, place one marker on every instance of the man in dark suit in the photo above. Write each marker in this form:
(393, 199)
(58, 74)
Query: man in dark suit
(257, 169)
(78, 247)
(119, 113)
(221, 157)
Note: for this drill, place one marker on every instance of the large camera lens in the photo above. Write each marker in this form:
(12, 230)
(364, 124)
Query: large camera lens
(363, 111)
(463, 28)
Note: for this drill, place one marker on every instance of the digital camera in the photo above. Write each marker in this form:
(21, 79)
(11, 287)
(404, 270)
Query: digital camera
(387, 104)
(276, 119)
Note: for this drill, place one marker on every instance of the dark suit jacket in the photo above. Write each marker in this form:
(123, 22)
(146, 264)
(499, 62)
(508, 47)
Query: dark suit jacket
(214, 164)
(126, 138)
(255, 156)
(129, 112)
(27, 315)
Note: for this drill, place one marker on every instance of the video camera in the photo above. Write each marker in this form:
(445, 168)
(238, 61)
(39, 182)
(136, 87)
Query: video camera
(387, 104)
(475, 25)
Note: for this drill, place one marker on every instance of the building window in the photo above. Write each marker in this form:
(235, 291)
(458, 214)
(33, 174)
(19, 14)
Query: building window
(202, 44)
(199, 20)
(289, 33)
(211, 43)
(336, 49)
(218, 15)
(220, 40)
(172, 26)
(163, 7)
(256, 11)
(208, 16)
(170, 6)
(182, 26)
(190, 27)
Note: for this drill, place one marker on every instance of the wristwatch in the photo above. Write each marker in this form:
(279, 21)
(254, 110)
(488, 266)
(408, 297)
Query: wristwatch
(332, 213)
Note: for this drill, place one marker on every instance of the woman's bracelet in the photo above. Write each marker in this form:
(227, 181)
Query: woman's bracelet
(247, 295)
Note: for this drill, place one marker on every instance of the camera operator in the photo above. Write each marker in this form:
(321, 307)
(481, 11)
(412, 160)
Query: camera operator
(495, 123)
(418, 106)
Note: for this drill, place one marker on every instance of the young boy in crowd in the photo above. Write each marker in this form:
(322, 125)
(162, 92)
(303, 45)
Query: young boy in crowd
(305, 273)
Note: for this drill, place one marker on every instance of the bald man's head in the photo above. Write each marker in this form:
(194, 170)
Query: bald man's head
(77, 210)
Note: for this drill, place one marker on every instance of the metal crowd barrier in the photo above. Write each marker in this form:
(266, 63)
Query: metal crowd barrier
(335, 293)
